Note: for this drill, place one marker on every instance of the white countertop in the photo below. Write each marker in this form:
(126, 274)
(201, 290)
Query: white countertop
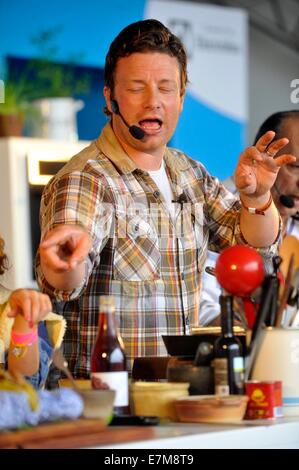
(282, 433)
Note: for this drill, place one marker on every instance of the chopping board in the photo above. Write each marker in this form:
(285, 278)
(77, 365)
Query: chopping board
(72, 434)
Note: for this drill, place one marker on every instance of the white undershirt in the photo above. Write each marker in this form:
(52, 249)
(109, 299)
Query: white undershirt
(161, 179)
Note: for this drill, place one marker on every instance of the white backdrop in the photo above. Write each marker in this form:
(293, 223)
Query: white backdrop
(213, 124)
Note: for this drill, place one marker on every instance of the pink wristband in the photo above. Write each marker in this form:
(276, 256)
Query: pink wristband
(24, 339)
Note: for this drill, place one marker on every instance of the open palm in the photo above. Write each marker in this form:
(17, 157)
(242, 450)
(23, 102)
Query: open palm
(257, 168)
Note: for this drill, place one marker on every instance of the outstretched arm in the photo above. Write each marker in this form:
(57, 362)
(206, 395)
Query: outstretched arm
(63, 252)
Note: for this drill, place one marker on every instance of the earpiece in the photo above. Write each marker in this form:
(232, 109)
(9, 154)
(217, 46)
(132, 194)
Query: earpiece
(135, 131)
(114, 106)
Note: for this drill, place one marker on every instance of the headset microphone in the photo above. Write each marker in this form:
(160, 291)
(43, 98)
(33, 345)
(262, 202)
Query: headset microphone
(286, 201)
(135, 131)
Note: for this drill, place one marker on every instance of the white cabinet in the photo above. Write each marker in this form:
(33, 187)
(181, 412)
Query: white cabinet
(21, 157)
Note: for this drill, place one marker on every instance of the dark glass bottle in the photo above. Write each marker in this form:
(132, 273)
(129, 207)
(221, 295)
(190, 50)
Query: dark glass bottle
(228, 360)
(108, 359)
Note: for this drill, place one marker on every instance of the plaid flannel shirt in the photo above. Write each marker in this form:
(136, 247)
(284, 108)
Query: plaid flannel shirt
(150, 262)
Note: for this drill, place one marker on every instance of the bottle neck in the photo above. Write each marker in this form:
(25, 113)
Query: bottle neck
(226, 305)
(107, 323)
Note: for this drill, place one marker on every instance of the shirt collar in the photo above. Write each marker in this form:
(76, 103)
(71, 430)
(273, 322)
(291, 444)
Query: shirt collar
(111, 148)
(176, 161)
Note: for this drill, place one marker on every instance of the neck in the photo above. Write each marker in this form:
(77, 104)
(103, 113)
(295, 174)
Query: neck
(145, 161)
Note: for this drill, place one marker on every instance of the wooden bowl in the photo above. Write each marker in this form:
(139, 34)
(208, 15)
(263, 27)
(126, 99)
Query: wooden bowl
(211, 408)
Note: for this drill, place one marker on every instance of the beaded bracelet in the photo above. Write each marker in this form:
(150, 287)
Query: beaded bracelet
(21, 341)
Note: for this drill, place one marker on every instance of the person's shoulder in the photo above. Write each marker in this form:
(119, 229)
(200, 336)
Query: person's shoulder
(86, 164)
(186, 160)
(80, 160)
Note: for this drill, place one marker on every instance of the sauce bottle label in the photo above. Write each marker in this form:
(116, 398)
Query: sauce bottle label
(117, 381)
(239, 372)
(220, 376)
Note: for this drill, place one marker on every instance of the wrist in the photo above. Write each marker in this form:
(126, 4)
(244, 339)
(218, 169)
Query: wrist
(21, 325)
(256, 205)
(21, 341)
(255, 201)
(24, 339)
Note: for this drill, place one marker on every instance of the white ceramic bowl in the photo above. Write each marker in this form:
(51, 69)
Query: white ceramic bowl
(98, 404)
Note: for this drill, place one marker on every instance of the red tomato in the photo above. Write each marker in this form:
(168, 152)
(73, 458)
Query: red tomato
(240, 270)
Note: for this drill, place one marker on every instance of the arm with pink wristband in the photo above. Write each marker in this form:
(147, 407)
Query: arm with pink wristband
(27, 309)
(21, 341)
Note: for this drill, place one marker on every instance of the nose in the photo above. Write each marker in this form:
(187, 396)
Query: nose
(152, 98)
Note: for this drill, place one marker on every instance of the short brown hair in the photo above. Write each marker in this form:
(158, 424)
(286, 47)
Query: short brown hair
(145, 36)
(3, 257)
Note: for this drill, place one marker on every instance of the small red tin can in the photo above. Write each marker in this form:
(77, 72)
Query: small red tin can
(265, 399)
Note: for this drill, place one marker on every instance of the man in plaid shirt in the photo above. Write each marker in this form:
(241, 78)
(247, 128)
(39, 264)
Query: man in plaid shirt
(132, 218)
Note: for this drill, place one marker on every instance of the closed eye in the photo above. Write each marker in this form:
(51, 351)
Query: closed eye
(293, 167)
(135, 90)
(166, 90)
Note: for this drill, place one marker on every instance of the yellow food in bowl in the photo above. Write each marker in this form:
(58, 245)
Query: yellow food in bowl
(157, 398)
(82, 384)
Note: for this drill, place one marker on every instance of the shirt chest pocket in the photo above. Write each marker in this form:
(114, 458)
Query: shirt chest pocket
(137, 254)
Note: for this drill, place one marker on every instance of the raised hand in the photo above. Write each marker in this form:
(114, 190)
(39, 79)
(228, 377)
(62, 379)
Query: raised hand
(258, 165)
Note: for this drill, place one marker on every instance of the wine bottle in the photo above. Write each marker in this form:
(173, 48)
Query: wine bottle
(228, 360)
(108, 360)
